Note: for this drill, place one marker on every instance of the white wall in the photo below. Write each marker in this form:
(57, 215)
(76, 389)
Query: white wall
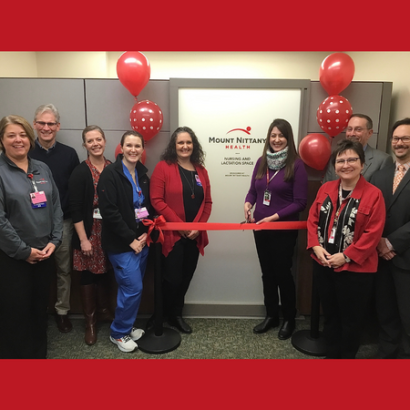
(370, 66)
(18, 64)
(72, 64)
(231, 65)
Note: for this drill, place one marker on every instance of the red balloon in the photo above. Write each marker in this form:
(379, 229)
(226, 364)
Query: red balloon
(333, 114)
(336, 72)
(119, 151)
(315, 150)
(134, 71)
(146, 118)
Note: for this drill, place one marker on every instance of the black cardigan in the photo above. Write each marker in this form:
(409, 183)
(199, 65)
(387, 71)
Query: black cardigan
(115, 196)
(81, 190)
(62, 160)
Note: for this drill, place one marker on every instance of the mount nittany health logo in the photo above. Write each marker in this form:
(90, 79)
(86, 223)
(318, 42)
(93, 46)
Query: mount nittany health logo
(237, 143)
(248, 129)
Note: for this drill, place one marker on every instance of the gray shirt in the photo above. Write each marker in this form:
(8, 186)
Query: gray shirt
(23, 227)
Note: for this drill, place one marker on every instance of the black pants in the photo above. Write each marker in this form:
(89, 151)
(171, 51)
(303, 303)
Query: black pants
(392, 298)
(275, 252)
(24, 297)
(345, 298)
(178, 269)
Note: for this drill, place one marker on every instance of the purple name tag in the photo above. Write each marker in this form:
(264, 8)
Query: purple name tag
(141, 213)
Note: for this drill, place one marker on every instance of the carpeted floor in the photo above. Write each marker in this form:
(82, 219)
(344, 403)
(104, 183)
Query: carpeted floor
(211, 339)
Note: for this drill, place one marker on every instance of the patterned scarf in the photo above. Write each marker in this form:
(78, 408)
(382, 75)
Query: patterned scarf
(277, 160)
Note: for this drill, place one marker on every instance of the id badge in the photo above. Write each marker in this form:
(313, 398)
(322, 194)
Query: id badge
(198, 181)
(332, 235)
(266, 197)
(97, 214)
(141, 213)
(38, 200)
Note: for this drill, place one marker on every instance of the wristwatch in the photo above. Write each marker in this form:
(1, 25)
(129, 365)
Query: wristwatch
(347, 259)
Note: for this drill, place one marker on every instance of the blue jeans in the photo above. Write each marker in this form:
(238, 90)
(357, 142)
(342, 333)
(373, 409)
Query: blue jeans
(129, 270)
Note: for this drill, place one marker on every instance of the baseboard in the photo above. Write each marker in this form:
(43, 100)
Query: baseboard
(218, 311)
(225, 311)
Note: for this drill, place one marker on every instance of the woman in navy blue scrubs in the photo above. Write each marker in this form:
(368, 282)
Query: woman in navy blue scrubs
(123, 191)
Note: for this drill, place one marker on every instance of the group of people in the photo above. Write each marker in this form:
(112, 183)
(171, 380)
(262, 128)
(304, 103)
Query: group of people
(358, 233)
(58, 214)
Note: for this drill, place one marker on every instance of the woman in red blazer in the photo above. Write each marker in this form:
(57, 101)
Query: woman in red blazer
(345, 224)
(181, 192)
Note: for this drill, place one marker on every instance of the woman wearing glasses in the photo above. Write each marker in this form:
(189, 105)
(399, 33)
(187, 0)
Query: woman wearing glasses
(279, 191)
(345, 225)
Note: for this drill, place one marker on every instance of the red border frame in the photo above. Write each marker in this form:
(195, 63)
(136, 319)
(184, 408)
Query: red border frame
(211, 26)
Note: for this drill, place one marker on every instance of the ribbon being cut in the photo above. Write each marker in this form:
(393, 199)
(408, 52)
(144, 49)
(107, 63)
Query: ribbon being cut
(160, 224)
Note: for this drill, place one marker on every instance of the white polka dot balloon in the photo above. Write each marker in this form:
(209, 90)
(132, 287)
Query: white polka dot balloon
(146, 118)
(333, 114)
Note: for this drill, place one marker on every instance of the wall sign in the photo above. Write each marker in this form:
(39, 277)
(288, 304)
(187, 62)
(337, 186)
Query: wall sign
(231, 119)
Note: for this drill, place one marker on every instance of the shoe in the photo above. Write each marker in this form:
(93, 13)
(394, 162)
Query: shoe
(180, 324)
(63, 323)
(136, 334)
(125, 344)
(89, 302)
(266, 325)
(286, 330)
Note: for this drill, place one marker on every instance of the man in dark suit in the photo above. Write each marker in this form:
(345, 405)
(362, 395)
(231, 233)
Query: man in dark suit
(360, 127)
(392, 285)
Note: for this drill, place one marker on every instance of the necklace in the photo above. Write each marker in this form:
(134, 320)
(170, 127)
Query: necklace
(192, 188)
(342, 191)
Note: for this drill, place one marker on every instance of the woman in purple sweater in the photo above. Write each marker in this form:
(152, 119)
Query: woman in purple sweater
(279, 192)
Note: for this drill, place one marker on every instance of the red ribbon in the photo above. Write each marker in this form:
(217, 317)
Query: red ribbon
(156, 224)
(160, 224)
(217, 226)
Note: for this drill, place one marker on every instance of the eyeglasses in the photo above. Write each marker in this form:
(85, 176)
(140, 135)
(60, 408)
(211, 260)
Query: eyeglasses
(405, 140)
(49, 124)
(350, 161)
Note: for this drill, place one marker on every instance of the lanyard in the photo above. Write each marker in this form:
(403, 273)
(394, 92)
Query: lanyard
(341, 200)
(137, 196)
(30, 176)
(267, 177)
(139, 192)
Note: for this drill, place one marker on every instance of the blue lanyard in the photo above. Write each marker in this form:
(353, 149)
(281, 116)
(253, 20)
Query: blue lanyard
(137, 195)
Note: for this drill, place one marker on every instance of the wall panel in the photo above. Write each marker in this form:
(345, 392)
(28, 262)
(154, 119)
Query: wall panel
(105, 102)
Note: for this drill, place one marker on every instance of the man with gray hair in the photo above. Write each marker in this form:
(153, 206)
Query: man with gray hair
(62, 160)
(360, 127)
